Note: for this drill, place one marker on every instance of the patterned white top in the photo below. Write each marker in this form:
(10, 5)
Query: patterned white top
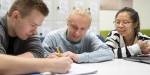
(117, 43)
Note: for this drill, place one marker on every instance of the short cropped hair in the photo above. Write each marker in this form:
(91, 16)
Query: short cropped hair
(26, 6)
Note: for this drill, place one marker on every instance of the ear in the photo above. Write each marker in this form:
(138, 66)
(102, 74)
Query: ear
(135, 24)
(15, 15)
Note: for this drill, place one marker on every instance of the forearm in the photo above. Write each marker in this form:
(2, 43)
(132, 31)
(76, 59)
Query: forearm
(27, 55)
(123, 52)
(96, 56)
(19, 65)
(33, 54)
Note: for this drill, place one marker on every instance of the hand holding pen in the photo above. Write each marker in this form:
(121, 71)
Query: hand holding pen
(73, 56)
(58, 52)
(54, 52)
(69, 54)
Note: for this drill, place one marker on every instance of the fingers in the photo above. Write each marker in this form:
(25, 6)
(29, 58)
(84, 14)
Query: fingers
(72, 55)
(148, 42)
(63, 64)
(144, 46)
(148, 49)
(145, 50)
(52, 55)
(68, 53)
(69, 60)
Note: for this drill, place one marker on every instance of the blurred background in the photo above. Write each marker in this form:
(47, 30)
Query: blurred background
(102, 11)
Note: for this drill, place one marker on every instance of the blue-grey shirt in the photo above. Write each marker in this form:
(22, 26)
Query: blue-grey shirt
(90, 48)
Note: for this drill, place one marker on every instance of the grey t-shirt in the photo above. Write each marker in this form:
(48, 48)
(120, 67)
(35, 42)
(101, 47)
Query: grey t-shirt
(16, 46)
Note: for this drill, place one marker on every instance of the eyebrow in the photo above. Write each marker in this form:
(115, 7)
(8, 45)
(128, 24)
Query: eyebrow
(36, 24)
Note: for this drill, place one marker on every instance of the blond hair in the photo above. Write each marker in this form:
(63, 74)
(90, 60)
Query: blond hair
(81, 12)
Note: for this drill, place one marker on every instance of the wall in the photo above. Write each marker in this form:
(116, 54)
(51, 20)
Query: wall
(4, 6)
(142, 6)
(103, 20)
(57, 18)
(59, 10)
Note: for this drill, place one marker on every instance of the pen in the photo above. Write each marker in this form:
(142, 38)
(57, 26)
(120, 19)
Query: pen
(58, 52)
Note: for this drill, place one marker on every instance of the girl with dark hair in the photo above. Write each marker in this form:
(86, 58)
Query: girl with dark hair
(127, 40)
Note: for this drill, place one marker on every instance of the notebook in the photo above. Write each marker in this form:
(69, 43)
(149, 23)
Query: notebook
(141, 59)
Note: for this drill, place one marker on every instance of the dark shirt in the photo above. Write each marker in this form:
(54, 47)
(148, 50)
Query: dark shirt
(10, 45)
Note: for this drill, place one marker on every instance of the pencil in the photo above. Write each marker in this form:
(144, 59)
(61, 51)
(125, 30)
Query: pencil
(58, 52)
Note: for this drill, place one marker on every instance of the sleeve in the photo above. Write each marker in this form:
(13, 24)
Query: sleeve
(99, 51)
(49, 43)
(2, 49)
(34, 46)
(113, 41)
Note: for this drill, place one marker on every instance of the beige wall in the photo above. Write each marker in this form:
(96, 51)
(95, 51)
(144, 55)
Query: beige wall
(142, 6)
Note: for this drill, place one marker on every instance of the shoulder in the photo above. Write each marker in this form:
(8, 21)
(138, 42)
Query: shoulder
(2, 30)
(90, 34)
(56, 34)
(3, 36)
(113, 34)
(142, 36)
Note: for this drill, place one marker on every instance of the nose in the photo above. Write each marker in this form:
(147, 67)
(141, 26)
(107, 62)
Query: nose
(34, 31)
(120, 25)
(77, 32)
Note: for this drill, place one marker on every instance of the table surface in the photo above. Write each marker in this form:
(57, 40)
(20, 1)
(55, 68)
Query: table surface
(119, 67)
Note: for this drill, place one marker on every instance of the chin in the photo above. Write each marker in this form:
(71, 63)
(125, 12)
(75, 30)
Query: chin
(76, 40)
(121, 33)
(124, 35)
(24, 38)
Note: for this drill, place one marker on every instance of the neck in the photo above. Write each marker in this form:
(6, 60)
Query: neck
(10, 27)
(73, 42)
(129, 40)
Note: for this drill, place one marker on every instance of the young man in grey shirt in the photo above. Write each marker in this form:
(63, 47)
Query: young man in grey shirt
(18, 40)
(18, 29)
(75, 42)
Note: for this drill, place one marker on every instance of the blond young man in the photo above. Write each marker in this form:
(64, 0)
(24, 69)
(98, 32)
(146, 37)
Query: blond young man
(76, 42)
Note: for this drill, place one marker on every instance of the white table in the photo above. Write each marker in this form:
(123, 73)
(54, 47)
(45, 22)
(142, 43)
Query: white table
(120, 67)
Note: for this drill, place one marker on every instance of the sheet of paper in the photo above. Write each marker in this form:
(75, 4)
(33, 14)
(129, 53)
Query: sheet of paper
(80, 69)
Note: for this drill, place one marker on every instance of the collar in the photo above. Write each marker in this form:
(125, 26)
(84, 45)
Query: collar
(71, 40)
